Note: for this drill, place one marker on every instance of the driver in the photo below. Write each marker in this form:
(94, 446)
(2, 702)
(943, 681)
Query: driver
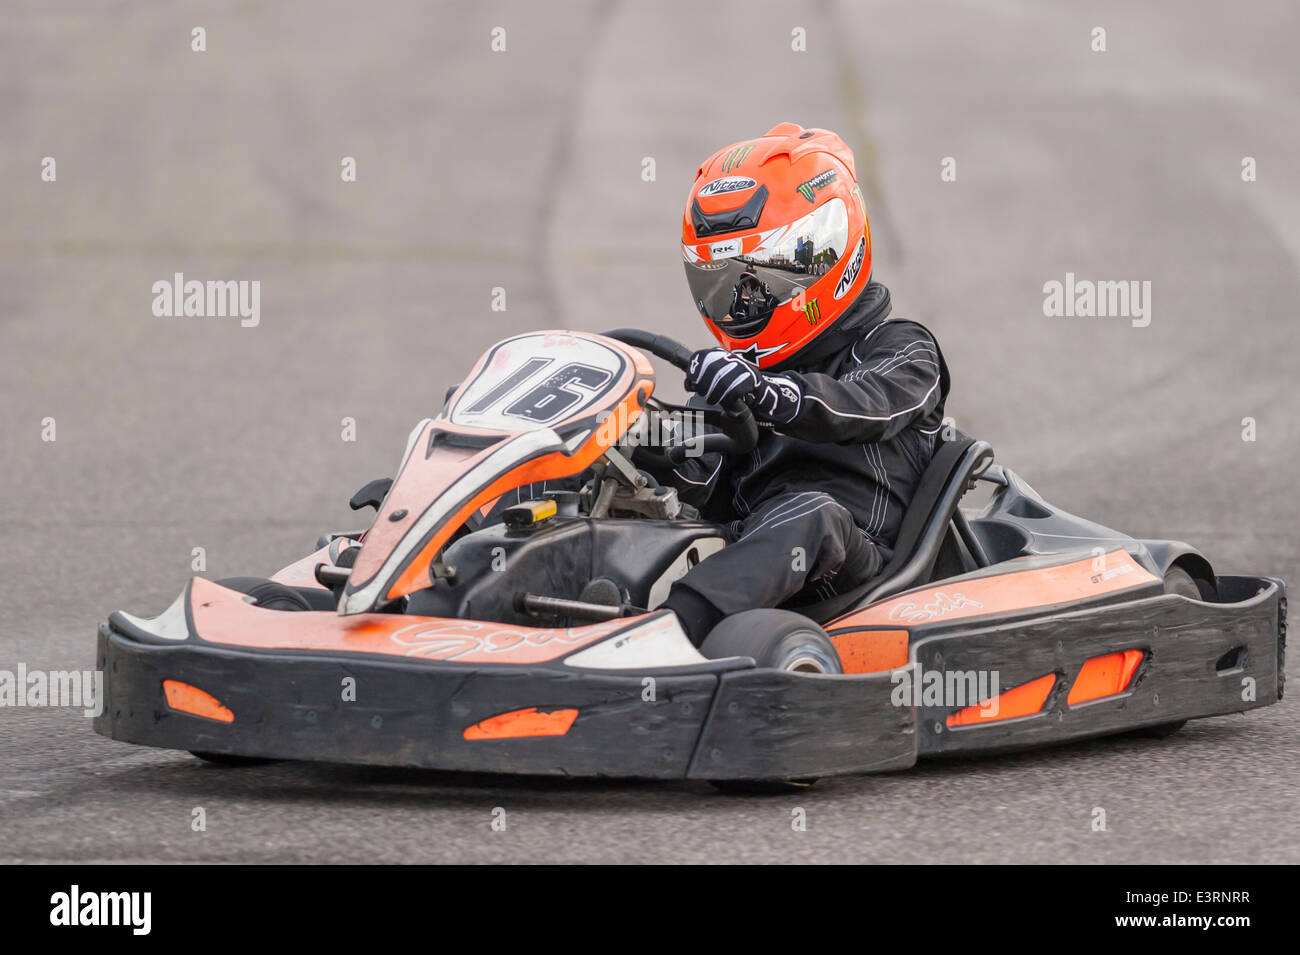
(849, 404)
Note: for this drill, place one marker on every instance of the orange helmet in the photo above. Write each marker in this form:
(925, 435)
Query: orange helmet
(776, 241)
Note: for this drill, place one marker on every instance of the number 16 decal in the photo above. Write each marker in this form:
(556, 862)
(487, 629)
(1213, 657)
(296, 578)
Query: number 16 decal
(556, 395)
(511, 382)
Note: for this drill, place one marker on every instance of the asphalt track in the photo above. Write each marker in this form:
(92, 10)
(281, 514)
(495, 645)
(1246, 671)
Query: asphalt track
(523, 170)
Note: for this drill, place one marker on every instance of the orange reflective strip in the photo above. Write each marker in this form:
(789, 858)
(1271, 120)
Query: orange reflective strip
(1025, 700)
(521, 723)
(870, 651)
(1104, 676)
(196, 702)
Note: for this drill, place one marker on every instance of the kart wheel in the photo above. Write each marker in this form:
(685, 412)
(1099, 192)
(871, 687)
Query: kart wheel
(1180, 582)
(267, 593)
(779, 639)
(227, 759)
(761, 787)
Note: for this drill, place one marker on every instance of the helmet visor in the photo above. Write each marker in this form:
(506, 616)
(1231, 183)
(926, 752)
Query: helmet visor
(738, 283)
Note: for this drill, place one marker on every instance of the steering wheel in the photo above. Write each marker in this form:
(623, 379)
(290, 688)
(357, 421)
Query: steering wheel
(739, 429)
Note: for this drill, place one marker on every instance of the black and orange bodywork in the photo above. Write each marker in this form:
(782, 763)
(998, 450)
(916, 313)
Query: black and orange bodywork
(470, 696)
(1072, 618)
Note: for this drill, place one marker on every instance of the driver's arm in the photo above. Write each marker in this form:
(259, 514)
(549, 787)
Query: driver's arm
(695, 478)
(892, 380)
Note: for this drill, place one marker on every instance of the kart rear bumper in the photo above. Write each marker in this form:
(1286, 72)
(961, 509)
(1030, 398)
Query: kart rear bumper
(1199, 659)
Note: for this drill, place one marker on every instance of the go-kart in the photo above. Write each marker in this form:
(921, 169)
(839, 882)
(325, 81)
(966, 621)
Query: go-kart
(498, 614)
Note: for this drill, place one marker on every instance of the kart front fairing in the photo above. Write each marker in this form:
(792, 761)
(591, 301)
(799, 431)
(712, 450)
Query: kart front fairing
(535, 407)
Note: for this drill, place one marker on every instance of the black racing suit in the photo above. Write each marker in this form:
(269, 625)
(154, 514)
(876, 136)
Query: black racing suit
(814, 509)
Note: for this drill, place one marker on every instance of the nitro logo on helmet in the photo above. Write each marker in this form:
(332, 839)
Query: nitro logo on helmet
(818, 182)
(735, 156)
(727, 184)
(851, 270)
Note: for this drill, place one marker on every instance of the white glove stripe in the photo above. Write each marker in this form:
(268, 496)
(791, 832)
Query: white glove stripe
(709, 359)
(720, 384)
(736, 382)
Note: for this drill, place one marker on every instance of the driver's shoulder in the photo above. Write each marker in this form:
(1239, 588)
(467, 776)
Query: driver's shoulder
(889, 337)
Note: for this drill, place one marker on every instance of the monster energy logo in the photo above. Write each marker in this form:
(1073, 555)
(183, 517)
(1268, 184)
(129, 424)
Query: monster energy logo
(735, 156)
(819, 181)
(812, 311)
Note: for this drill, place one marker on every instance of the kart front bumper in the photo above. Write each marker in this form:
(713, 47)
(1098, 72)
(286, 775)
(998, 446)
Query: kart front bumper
(727, 721)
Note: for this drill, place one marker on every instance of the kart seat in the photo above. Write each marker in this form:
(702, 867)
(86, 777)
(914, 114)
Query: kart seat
(930, 518)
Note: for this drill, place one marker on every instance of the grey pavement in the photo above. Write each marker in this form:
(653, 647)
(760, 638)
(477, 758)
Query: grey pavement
(522, 170)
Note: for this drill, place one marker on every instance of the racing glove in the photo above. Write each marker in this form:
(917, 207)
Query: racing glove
(718, 376)
(776, 399)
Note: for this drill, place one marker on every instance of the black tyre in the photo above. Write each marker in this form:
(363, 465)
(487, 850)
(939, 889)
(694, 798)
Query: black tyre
(267, 593)
(226, 759)
(781, 640)
(1180, 582)
(762, 787)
